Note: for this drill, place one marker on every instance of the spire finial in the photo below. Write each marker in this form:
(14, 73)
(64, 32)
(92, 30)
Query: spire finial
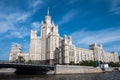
(48, 11)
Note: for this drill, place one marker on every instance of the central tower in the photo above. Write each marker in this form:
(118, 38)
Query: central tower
(45, 30)
(49, 40)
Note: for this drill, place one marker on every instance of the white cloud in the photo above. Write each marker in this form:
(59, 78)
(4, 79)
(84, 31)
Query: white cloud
(5, 26)
(68, 16)
(7, 22)
(35, 25)
(115, 6)
(85, 37)
(8, 26)
(10, 21)
(23, 17)
(17, 33)
(20, 33)
(9, 29)
(36, 3)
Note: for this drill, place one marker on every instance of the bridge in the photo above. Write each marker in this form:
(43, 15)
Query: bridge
(28, 68)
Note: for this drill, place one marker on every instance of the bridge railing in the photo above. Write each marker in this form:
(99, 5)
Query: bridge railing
(19, 63)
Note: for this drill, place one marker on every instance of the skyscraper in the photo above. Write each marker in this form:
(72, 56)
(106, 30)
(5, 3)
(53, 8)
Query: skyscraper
(50, 48)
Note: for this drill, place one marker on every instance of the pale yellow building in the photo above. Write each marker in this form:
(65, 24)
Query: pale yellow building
(50, 48)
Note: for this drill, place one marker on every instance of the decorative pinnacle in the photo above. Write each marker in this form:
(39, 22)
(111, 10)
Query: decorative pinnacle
(48, 11)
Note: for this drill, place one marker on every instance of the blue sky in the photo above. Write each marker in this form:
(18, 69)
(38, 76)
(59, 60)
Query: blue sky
(87, 21)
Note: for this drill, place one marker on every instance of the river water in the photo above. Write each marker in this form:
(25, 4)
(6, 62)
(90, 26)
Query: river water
(98, 76)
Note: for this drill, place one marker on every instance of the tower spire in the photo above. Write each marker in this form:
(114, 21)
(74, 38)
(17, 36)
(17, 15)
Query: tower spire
(48, 11)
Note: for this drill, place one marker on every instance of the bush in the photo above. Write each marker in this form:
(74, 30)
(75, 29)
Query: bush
(20, 59)
(88, 63)
(29, 62)
(85, 63)
(112, 64)
(72, 63)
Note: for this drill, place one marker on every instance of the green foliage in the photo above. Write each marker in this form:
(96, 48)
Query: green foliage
(72, 63)
(20, 59)
(29, 62)
(84, 63)
(88, 63)
(112, 64)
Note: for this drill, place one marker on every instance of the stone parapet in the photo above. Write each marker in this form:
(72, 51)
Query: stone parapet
(68, 69)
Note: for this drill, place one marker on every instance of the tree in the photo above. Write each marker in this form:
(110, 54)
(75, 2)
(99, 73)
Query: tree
(20, 59)
(88, 63)
(112, 64)
(72, 63)
(29, 61)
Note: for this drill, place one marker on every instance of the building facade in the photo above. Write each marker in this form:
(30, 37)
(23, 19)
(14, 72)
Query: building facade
(50, 48)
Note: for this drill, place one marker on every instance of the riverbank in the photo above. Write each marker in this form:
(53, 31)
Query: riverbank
(70, 69)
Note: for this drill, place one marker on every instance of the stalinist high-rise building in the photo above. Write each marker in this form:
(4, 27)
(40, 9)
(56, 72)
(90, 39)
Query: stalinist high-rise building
(50, 48)
(43, 48)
